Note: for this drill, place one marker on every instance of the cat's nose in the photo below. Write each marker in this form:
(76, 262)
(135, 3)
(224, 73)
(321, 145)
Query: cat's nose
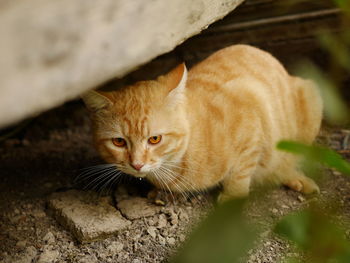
(137, 166)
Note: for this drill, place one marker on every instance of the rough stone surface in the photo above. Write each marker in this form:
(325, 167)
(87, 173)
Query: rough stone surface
(86, 215)
(59, 49)
(137, 207)
(27, 256)
(48, 256)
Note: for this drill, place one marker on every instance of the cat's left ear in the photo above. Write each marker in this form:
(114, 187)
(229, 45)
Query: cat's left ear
(176, 80)
(95, 101)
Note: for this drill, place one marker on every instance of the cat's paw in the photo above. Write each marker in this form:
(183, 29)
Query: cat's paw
(303, 185)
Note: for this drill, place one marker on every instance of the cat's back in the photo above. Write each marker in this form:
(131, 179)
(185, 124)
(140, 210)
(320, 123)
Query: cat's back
(245, 79)
(237, 62)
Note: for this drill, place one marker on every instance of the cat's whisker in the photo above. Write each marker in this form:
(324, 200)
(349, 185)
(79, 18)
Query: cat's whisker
(185, 183)
(109, 183)
(161, 179)
(93, 170)
(99, 184)
(173, 177)
(103, 175)
(85, 177)
(178, 183)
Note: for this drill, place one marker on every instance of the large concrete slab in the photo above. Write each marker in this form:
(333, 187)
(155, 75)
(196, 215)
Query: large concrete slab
(52, 51)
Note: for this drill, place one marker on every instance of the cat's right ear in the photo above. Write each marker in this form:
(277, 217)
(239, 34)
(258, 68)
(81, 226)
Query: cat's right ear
(95, 101)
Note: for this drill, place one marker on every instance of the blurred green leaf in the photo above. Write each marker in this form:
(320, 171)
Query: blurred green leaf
(337, 48)
(315, 233)
(225, 236)
(295, 228)
(335, 110)
(343, 4)
(317, 154)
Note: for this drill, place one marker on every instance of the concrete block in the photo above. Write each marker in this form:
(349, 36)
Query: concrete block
(53, 51)
(137, 207)
(88, 216)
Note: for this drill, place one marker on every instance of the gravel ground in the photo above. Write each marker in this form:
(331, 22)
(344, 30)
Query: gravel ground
(45, 157)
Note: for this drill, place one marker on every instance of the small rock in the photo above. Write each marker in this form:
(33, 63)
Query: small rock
(136, 260)
(159, 202)
(49, 238)
(183, 215)
(301, 198)
(174, 219)
(162, 221)
(85, 215)
(152, 231)
(48, 256)
(137, 207)
(274, 211)
(115, 247)
(71, 245)
(38, 213)
(21, 243)
(27, 256)
(161, 240)
(285, 206)
(182, 237)
(171, 241)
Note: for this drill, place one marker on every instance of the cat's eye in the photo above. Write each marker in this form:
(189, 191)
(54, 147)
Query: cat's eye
(155, 139)
(119, 142)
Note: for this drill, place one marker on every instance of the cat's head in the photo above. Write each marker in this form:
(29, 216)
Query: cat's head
(142, 127)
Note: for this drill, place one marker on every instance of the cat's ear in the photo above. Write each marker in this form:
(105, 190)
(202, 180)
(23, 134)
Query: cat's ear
(177, 79)
(95, 101)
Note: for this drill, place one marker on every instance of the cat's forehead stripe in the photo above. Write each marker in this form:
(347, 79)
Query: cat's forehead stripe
(135, 127)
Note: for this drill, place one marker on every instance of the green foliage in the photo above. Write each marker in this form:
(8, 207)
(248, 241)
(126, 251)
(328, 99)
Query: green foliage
(314, 233)
(343, 4)
(225, 236)
(319, 154)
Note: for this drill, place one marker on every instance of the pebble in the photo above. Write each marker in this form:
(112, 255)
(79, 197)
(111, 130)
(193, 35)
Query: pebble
(161, 240)
(38, 213)
(49, 238)
(115, 247)
(301, 198)
(162, 221)
(274, 211)
(21, 243)
(28, 255)
(152, 231)
(171, 241)
(48, 256)
(182, 237)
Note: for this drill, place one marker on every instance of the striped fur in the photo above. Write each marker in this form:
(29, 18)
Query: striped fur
(219, 124)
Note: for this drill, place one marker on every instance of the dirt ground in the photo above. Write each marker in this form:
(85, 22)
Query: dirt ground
(45, 157)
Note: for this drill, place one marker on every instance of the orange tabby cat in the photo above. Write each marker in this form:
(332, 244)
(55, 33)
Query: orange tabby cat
(218, 123)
